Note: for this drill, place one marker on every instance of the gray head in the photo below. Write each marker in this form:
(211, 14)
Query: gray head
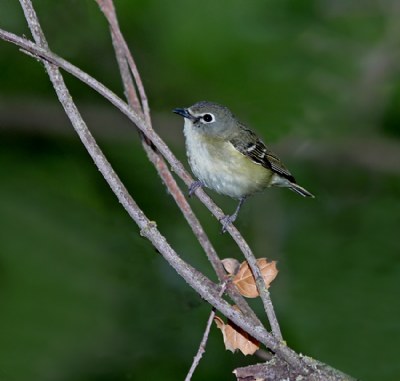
(210, 118)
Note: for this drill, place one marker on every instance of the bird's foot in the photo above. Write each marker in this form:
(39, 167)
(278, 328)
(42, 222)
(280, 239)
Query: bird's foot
(194, 186)
(227, 220)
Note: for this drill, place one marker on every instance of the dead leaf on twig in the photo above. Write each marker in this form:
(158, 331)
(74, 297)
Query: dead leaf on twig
(244, 279)
(230, 265)
(235, 338)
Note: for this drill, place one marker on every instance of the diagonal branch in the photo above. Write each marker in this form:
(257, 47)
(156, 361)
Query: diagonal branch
(130, 76)
(108, 9)
(127, 69)
(201, 284)
(161, 146)
(148, 229)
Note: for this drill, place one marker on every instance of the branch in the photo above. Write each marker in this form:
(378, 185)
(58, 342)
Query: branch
(125, 61)
(123, 196)
(204, 287)
(127, 69)
(161, 146)
(130, 76)
(276, 369)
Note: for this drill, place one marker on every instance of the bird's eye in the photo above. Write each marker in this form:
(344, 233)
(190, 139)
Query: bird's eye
(208, 118)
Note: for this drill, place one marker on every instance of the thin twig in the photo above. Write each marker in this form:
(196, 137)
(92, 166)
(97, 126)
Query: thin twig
(203, 342)
(129, 86)
(108, 9)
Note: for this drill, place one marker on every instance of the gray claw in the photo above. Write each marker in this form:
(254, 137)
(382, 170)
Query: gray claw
(194, 186)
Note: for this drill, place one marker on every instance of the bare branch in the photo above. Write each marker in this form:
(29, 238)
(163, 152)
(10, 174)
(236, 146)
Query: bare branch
(107, 7)
(162, 147)
(165, 151)
(148, 229)
(128, 69)
(203, 286)
(276, 369)
(206, 288)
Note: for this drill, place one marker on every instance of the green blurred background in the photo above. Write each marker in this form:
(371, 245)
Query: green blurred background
(84, 297)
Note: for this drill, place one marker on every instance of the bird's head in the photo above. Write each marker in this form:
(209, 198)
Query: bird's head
(209, 118)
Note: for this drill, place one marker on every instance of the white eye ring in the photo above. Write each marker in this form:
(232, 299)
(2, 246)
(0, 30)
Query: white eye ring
(208, 118)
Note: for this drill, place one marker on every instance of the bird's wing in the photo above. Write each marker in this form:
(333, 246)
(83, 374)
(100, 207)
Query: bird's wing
(248, 144)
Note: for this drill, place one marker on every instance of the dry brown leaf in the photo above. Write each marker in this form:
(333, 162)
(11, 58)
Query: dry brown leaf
(235, 338)
(230, 265)
(244, 279)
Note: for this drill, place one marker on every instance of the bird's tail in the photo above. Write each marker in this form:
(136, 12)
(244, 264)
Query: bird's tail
(300, 190)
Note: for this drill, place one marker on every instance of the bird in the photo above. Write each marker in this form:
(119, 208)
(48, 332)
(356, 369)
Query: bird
(229, 158)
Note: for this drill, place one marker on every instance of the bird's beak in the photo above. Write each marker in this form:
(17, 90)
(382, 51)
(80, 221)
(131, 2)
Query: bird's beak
(184, 112)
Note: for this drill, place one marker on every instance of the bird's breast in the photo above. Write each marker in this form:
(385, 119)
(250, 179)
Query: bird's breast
(221, 167)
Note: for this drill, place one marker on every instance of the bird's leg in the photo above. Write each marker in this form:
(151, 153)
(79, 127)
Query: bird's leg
(194, 186)
(225, 221)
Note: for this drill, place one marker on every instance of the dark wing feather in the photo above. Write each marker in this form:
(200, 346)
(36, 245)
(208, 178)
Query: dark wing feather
(251, 146)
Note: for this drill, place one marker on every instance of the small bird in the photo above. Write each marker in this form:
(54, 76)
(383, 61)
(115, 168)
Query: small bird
(229, 158)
